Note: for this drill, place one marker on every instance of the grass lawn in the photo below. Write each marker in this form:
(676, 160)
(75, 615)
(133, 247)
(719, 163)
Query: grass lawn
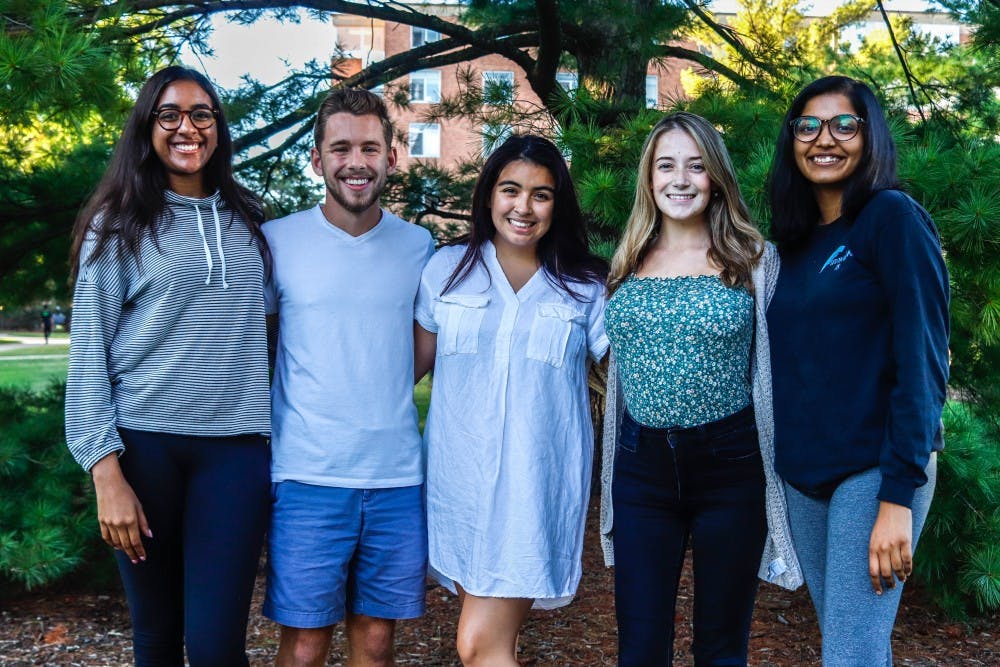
(35, 367)
(33, 351)
(34, 372)
(55, 335)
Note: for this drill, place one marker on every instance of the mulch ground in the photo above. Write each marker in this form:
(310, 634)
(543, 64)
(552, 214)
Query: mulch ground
(93, 630)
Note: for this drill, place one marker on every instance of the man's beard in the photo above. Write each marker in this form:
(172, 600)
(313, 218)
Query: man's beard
(358, 205)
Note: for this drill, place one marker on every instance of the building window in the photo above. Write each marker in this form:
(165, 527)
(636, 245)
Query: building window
(362, 43)
(494, 136)
(568, 80)
(652, 91)
(425, 140)
(425, 86)
(498, 88)
(421, 36)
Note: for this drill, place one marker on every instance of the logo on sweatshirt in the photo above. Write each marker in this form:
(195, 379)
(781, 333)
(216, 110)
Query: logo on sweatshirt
(838, 257)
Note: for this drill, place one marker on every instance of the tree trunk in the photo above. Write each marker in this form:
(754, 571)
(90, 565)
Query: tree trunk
(613, 57)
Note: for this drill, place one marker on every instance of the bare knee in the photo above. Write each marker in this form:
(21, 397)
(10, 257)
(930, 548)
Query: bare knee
(488, 629)
(304, 647)
(473, 646)
(370, 641)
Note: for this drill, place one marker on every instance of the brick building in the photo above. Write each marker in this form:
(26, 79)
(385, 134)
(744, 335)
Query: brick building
(448, 142)
(453, 141)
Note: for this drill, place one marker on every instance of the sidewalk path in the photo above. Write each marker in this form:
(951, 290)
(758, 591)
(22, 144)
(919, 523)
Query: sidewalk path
(30, 357)
(28, 342)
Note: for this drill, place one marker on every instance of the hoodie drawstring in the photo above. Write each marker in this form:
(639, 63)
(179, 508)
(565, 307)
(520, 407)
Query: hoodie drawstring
(218, 245)
(204, 244)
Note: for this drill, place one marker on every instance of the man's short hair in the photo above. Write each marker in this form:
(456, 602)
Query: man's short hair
(357, 102)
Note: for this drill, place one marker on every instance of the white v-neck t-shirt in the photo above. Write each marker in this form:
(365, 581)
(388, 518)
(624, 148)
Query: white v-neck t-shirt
(342, 411)
(509, 438)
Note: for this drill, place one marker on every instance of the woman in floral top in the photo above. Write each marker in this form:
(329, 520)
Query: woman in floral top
(684, 459)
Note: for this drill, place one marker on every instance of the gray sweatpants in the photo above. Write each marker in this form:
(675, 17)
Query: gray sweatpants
(831, 539)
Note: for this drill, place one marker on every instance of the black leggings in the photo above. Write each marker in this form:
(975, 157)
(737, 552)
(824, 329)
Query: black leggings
(206, 501)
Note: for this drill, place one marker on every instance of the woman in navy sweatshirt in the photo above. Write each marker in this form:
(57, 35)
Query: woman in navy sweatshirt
(167, 395)
(859, 337)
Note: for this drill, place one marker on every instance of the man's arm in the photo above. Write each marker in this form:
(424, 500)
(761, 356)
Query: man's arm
(272, 338)
(424, 349)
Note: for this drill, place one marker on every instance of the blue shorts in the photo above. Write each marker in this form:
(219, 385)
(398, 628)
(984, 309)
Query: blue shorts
(331, 549)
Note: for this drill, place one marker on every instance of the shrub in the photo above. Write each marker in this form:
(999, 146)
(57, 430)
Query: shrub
(958, 556)
(48, 525)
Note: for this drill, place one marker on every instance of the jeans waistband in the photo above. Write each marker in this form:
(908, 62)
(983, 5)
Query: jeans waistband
(707, 431)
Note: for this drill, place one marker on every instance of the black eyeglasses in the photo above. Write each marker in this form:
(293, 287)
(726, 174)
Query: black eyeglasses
(842, 127)
(171, 119)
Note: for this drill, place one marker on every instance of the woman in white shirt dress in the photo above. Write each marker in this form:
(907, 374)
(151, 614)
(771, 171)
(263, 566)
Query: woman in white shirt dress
(508, 317)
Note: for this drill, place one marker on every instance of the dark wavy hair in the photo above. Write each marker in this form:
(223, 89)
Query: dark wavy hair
(563, 252)
(129, 199)
(794, 211)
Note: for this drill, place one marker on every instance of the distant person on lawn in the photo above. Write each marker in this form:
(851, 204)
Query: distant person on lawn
(348, 535)
(166, 399)
(46, 317)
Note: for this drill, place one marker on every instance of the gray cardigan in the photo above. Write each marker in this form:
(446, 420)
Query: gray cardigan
(779, 564)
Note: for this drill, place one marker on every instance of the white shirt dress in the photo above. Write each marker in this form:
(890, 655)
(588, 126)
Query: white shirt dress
(508, 437)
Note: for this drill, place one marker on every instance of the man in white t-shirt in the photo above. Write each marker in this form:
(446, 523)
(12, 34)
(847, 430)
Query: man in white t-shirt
(348, 531)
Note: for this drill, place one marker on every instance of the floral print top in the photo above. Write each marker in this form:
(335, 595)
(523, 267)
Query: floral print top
(683, 348)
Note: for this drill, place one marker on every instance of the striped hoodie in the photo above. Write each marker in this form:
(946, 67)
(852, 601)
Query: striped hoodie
(172, 340)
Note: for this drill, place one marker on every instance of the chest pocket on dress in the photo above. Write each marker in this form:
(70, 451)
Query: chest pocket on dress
(459, 317)
(551, 331)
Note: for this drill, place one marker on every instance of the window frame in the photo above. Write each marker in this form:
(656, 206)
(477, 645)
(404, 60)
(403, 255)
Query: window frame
(418, 129)
(423, 75)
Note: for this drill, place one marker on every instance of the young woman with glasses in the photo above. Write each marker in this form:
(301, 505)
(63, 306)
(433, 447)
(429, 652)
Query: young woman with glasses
(167, 395)
(687, 436)
(859, 361)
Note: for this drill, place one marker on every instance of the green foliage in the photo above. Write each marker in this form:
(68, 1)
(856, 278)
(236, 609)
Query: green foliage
(958, 557)
(48, 527)
(434, 196)
(44, 175)
(47, 64)
(958, 181)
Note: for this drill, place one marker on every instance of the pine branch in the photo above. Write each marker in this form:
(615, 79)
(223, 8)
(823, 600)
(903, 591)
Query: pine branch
(709, 63)
(488, 38)
(277, 151)
(910, 78)
(730, 38)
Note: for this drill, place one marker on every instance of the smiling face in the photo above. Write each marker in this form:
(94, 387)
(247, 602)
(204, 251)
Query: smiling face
(826, 162)
(184, 152)
(354, 162)
(680, 184)
(522, 206)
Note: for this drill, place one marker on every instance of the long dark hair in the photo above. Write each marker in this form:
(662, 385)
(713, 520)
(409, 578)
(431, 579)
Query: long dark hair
(129, 198)
(563, 252)
(794, 211)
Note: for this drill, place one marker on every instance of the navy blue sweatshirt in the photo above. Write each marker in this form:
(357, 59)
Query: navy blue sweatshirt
(859, 350)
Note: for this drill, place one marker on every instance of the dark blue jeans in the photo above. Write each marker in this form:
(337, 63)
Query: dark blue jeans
(706, 483)
(207, 503)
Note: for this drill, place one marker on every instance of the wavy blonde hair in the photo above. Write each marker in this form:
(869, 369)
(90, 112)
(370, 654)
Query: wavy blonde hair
(736, 243)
